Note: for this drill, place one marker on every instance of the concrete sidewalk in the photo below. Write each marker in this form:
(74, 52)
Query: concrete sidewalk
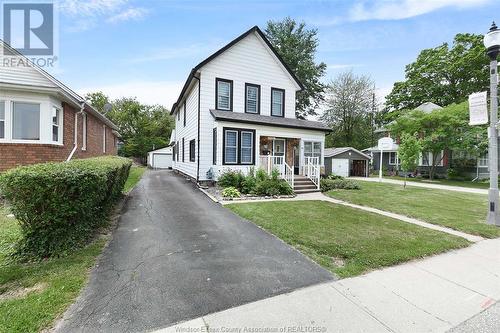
(434, 295)
(424, 185)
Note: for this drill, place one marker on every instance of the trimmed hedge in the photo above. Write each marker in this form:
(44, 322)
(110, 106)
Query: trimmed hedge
(340, 183)
(60, 205)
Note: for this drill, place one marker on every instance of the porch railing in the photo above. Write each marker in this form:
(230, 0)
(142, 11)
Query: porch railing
(271, 162)
(312, 171)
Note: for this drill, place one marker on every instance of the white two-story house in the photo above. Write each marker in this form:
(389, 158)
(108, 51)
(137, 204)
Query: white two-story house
(237, 111)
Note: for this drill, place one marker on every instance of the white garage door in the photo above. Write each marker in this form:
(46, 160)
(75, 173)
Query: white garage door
(340, 167)
(162, 161)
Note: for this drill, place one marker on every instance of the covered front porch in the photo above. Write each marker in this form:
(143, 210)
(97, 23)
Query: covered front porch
(296, 160)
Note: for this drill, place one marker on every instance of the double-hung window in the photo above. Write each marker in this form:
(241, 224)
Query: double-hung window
(313, 149)
(392, 158)
(192, 150)
(252, 98)
(25, 121)
(230, 147)
(238, 146)
(223, 94)
(2, 119)
(56, 122)
(277, 102)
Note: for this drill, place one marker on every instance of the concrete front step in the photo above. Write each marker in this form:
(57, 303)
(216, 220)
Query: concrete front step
(306, 191)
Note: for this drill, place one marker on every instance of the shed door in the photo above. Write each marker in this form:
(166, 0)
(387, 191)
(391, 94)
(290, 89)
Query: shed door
(340, 167)
(162, 161)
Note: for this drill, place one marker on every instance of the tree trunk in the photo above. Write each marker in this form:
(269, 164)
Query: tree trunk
(404, 184)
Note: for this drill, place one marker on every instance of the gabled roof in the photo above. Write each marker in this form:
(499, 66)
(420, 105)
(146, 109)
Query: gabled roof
(254, 29)
(247, 118)
(331, 152)
(65, 90)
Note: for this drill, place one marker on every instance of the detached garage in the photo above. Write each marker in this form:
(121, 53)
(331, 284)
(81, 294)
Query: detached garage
(160, 158)
(346, 162)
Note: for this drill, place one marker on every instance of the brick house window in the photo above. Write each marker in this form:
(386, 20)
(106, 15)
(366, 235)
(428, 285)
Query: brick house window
(56, 122)
(2, 120)
(25, 121)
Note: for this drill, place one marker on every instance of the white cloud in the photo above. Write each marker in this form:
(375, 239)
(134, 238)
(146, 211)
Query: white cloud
(128, 14)
(364, 10)
(396, 10)
(343, 66)
(148, 92)
(86, 14)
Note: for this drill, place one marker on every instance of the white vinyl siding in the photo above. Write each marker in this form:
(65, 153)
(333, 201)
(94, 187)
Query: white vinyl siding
(25, 121)
(231, 147)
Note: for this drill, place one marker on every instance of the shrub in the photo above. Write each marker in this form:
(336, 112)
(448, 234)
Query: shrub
(230, 192)
(249, 182)
(332, 177)
(332, 184)
(60, 205)
(230, 178)
(272, 187)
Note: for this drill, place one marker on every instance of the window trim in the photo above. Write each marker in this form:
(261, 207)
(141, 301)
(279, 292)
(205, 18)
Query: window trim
(60, 116)
(252, 148)
(192, 150)
(183, 149)
(238, 145)
(217, 80)
(258, 97)
(397, 161)
(3, 119)
(282, 104)
(184, 114)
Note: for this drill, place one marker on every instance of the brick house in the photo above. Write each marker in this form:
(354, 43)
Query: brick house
(43, 120)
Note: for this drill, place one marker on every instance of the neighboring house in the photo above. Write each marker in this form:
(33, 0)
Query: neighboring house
(160, 158)
(237, 111)
(42, 120)
(346, 162)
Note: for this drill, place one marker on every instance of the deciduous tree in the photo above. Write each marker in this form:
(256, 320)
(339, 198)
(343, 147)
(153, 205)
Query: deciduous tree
(409, 152)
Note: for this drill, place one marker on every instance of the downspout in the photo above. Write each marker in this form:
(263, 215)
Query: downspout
(75, 143)
(199, 122)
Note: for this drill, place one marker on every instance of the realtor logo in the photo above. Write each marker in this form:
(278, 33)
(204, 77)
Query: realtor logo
(29, 27)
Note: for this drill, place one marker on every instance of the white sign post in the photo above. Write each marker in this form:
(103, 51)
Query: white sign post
(478, 108)
(383, 144)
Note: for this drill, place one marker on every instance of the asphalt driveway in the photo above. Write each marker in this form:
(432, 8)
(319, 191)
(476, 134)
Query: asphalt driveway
(177, 255)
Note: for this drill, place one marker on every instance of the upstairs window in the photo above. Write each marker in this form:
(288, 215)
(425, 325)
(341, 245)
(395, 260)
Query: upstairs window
(56, 121)
(2, 120)
(184, 114)
(252, 98)
(277, 102)
(26, 121)
(224, 94)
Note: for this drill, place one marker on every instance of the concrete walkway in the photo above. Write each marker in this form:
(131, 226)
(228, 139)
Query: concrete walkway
(430, 295)
(322, 197)
(424, 185)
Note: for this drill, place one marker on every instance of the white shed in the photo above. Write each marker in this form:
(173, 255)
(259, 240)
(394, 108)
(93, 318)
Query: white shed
(160, 158)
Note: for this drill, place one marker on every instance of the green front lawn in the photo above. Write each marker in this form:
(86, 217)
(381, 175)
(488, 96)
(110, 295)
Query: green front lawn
(461, 183)
(55, 282)
(344, 240)
(33, 295)
(133, 178)
(460, 211)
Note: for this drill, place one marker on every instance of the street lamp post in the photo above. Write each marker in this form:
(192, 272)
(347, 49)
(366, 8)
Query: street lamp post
(492, 43)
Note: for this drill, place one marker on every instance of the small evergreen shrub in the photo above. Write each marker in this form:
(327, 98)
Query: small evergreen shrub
(335, 184)
(60, 205)
(230, 178)
(231, 192)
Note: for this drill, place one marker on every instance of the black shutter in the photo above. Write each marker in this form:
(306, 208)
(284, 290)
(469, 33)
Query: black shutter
(214, 149)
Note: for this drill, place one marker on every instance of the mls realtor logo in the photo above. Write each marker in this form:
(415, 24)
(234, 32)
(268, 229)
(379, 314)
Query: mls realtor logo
(29, 28)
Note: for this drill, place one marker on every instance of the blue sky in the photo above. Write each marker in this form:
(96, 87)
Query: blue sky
(146, 48)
